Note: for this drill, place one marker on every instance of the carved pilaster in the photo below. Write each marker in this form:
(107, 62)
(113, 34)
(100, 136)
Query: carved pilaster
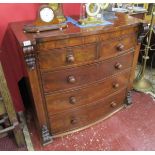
(46, 136)
(129, 98)
(143, 29)
(29, 56)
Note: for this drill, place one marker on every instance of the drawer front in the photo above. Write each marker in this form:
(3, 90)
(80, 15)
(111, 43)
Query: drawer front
(59, 102)
(116, 47)
(57, 58)
(86, 115)
(76, 77)
(88, 39)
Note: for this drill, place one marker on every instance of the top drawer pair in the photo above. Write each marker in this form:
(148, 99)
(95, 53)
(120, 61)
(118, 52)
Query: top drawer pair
(72, 56)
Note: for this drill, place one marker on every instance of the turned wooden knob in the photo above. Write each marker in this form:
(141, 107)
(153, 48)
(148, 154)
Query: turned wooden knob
(118, 65)
(74, 121)
(120, 47)
(71, 79)
(113, 104)
(72, 100)
(70, 58)
(116, 85)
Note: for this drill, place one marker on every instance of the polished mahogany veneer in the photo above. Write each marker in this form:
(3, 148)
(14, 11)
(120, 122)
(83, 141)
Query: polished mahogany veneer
(78, 77)
(86, 95)
(85, 115)
(86, 74)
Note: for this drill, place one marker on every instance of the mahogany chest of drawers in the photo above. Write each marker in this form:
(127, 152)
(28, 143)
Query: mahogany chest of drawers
(79, 76)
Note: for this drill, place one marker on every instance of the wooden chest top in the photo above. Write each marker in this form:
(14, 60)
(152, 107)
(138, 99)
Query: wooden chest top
(122, 22)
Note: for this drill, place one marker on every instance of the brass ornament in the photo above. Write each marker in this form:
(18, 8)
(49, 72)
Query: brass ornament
(54, 6)
(58, 10)
(141, 83)
(93, 15)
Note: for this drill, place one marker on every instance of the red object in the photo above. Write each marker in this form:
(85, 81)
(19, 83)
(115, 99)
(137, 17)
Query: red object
(15, 12)
(19, 12)
(14, 70)
(131, 129)
(71, 9)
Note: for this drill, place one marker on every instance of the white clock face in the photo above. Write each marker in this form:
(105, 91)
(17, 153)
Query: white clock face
(46, 14)
(92, 9)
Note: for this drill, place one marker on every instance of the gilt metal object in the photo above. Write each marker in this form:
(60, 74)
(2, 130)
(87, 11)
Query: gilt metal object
(90, 14)
(141, 83)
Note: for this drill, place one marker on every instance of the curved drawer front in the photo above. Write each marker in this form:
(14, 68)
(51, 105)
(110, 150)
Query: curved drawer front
(71, 56)
(86, 115)
(59, 102)
(117, 46)
(76, 41)
(76, 77)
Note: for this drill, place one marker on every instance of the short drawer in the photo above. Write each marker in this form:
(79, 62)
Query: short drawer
(71, 56)
(117, 46)
(84, 75)
(86, 115)
(59, 102)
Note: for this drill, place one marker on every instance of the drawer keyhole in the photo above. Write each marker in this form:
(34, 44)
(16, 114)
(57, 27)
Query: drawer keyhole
(70, 58)
(74, 121)
(116, 85)
(118, 65)
(113, 104)
(71, 79)
(72, 100)
(120, 47)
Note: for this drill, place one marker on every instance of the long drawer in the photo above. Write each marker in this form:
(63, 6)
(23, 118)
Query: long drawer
(78, 76)
(86, 115)
(51, 43)
(59, 102)
(64, 57)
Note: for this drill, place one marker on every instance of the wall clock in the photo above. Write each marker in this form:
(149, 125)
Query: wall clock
(49, 17)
